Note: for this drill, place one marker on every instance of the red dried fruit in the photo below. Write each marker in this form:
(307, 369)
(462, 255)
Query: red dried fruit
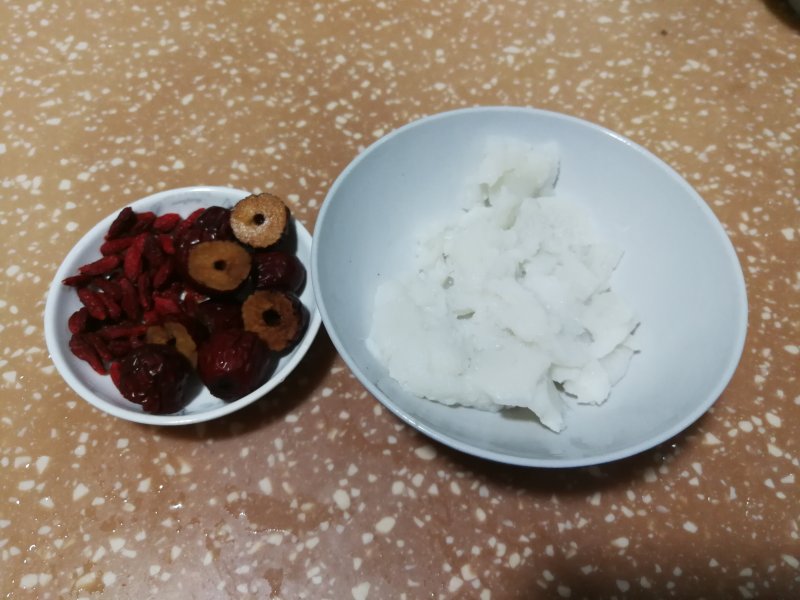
(144, 221)
(179, 332)
(124, 222)
(233, 363)
(100, 346)
(216, 222)
(101, 266)
(108, 286)
(218, 266)
(92, 301)
(114, 372)
(167, 243)
(155, 376)
(166, 222)
(84, 350)
(123, 330)
(186, 224)
(113, 309)
(278, 270)
(151, 317)
(116, 246)
(145, 291)
(152, 252)
(119, 348)
(259, 220)
(165, 306)
(163, 274)
(78, 280)
(219, 315)
(129, 301)
(79, 320)
(279, 318)
(132, 264)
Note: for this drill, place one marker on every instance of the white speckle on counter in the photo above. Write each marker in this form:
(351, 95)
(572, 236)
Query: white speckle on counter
(455, 584)
(265, 485)
(385, 525)
(342, 499)
(426, 452)
(79, 492)
(620, 542)
(690, 527)
(116, 543)
(361, 591)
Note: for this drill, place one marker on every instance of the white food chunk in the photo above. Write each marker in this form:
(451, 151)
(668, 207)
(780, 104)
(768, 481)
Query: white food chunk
(508, 299)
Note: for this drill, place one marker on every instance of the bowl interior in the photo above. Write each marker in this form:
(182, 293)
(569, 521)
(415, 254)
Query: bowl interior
(99, 390)
(679, 272)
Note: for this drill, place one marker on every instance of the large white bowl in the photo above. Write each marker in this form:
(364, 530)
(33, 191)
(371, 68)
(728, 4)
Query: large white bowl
(679, 272)
(98, 390)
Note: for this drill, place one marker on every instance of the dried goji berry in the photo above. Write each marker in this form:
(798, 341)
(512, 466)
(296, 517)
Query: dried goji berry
(114, 371)
(100, 346)
(84, 350)
(95, 305)
(144, 221)
(163, 274)
(132, 264)
(125, 220)
(151, 317)
(167, 243)
(187, 222)
(122, 330)
(78, 280)
(116, 246)
(113, 308)
(119, 347)
(166, 223)
(129, 301)
(144, 289)
(166, 306)
(108, 286)
(152, 253)
(101, 266)
(79, 320)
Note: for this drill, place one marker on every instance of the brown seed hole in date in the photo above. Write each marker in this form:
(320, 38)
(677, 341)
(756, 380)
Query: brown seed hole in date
(272, 317)
(220, 265)
(259, 219)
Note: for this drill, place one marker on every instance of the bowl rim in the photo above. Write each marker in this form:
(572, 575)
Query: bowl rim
(701, 408)
(52, 323)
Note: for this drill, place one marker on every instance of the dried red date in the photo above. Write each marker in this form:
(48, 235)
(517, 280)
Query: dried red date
(130, 300)
(145, 291)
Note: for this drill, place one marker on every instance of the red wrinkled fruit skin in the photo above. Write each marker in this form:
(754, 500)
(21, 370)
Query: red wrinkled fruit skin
(233, 363)
(219, 315)
(278, 270)
(155, 376)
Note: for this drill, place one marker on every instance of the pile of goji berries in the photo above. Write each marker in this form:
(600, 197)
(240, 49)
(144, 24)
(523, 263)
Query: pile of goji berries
(135, 284)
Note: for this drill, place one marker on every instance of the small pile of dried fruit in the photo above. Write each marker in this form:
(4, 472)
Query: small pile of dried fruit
(214, 294)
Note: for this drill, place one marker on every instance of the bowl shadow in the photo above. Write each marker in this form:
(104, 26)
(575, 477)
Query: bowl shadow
(572, 481)
(284, 398)
(784, 12)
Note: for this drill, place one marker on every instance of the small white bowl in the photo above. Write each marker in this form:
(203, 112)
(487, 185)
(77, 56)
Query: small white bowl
(98, 390)
(679, 272)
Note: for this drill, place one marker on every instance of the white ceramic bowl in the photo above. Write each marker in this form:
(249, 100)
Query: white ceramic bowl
(98, 390)
(679, 272)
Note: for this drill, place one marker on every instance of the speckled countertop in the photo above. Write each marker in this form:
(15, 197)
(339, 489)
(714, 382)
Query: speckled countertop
(318, 492)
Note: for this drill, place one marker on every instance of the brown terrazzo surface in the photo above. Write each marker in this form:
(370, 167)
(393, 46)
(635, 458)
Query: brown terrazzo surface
(317, 491)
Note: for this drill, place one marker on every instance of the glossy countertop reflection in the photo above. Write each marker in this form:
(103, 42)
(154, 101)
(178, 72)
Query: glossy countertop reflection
(316, 491)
